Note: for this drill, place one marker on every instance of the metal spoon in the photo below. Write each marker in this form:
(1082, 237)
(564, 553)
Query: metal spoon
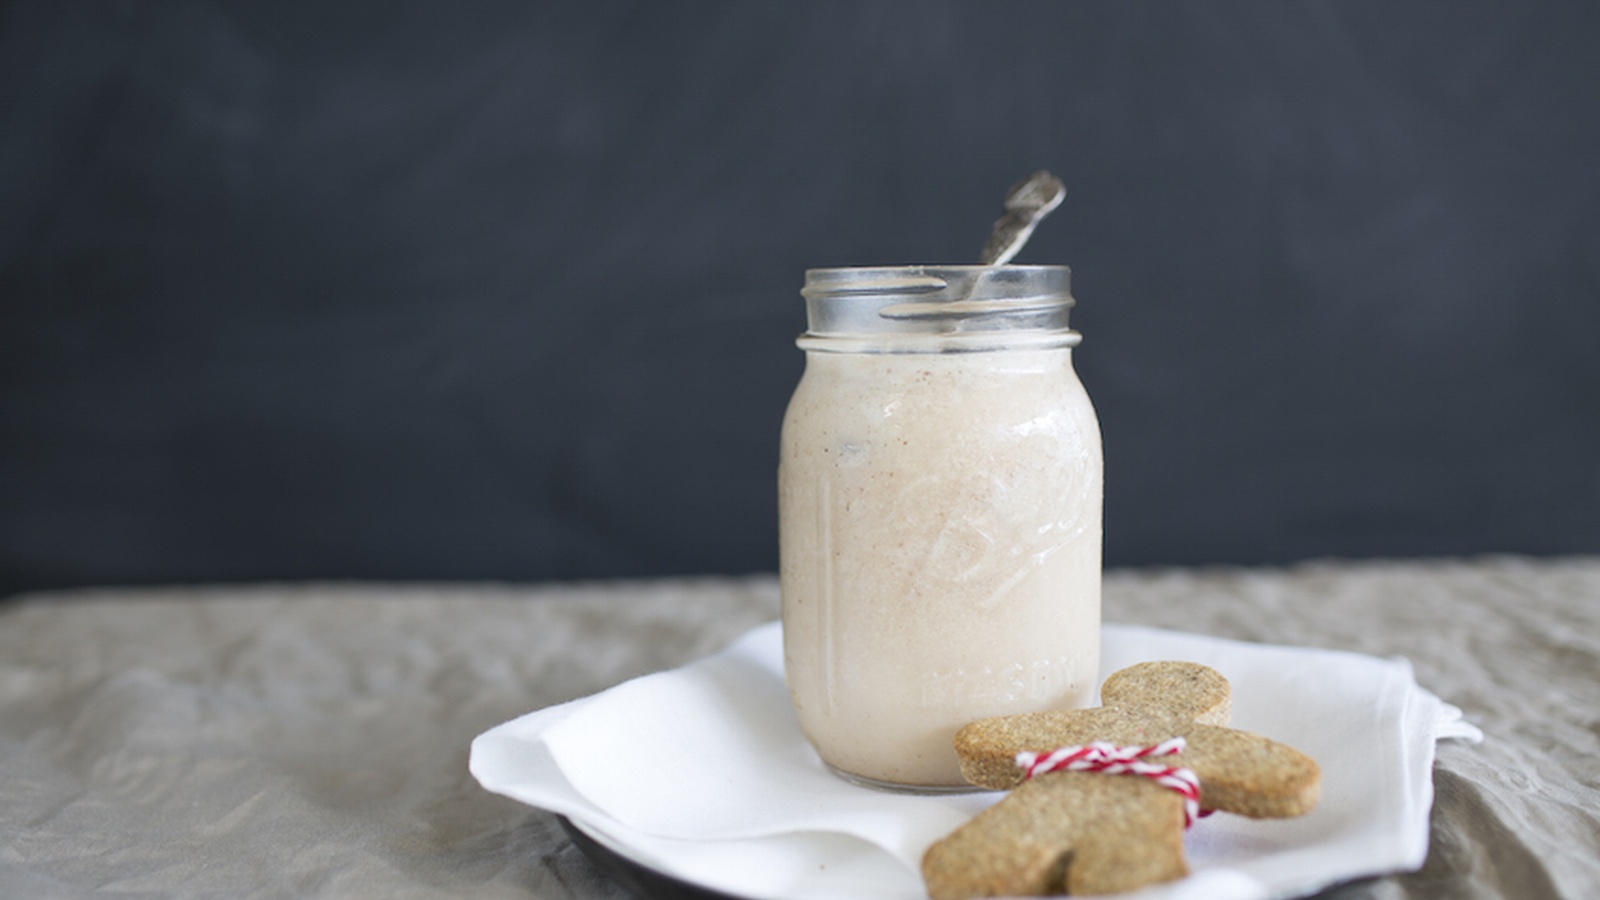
(1028, 201)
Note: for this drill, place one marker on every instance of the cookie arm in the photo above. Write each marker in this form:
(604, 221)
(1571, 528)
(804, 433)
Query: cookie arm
(1250, 775)
(988, 748)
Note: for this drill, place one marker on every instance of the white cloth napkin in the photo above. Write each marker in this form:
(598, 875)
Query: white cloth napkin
(701, 773)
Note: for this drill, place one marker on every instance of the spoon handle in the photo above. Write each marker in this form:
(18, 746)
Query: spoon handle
(1028, 201)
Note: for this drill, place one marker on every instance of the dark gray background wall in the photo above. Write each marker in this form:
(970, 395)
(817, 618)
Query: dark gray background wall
(508, 290)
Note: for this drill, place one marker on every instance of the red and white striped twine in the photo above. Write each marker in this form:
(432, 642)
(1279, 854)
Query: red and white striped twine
(1102, 756)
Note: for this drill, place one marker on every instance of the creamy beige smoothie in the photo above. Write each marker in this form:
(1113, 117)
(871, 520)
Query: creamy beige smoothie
(940, 522)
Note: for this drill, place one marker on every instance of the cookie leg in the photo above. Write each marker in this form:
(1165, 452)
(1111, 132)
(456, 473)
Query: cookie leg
(1141, 846)
(1018, 847)
(1066, 832)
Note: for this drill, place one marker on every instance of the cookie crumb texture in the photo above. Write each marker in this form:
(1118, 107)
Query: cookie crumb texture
(1095, 833)
(1028, 843)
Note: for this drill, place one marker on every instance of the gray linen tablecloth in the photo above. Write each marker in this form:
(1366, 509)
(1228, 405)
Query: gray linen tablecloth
(311, 740)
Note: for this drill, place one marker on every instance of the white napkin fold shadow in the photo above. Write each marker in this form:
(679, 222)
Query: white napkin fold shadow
(702, 773)
(712, 751)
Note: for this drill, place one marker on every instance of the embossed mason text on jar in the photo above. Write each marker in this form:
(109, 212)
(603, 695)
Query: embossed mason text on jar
(939, 514)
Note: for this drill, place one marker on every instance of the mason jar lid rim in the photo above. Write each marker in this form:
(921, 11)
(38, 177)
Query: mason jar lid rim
(940, 267)
(966, 280)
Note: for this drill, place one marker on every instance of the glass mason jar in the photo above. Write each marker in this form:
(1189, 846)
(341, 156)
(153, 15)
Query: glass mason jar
(939, 514)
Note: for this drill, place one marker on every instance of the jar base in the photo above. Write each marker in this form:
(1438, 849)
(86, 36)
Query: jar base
(893, 787)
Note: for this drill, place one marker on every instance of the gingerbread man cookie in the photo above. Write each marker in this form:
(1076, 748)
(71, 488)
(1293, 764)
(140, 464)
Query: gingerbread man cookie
(1076, 822)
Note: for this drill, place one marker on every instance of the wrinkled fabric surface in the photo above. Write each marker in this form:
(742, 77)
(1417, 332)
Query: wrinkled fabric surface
(311, 740)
